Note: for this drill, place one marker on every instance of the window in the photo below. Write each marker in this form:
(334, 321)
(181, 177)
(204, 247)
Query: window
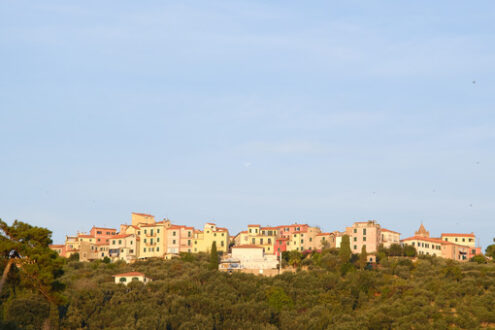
(215, 234)
(364, 231)
(113, 242)
(456, 239)
(189, 242)
(355, 230)
(108, 233)
(173, 233)
(173, 242)
(261, 241)
(269, 241)
(355, 239)
(355, 247)
(298, 229)
(364, 239)
(145, 231)
(151, 232)
(139, 232)
(120, 241)
(302, 241)
(144, 249)
(286, 229)
(157, 249)
(250, 230)
(98, 239)
(463, 239)
(221, 243)
(222, 234)
(123, 279)
(98, 232)
(158, 239)
(195, 242)
(135, 279)
(188, 234)
(253, 241)
(145, 240)
(158, 231)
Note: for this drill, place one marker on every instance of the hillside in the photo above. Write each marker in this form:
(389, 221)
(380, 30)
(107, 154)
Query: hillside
(431, 293)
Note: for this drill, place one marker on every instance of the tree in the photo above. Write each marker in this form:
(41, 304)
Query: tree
(345, 249)
(278, 299)
(409, 251)
(214, 256)
(295, 258)
(480, 259)
(363, 258)
(27, 248)
(395, 250)
(490, 251)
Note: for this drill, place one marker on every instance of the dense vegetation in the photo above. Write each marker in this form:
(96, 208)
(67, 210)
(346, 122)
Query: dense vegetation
(330, 289)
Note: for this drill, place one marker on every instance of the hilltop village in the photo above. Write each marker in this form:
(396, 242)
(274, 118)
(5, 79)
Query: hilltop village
(258, 248)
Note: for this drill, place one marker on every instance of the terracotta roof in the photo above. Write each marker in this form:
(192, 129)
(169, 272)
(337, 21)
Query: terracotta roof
(85, 236)
(325, 234)
(222, 229)
(458, 235)
(254, 226)
(122, 236)
(143, 214)
(426, 239)
(294, 225)
(270, 228)
(388, 230)
(129, 274)
(56, 245)
(151, 224)
(247, 246)
(104, 228)
(282, 239)
(210, 223)
(243, 232)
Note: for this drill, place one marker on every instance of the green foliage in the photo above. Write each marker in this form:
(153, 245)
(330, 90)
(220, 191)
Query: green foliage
(481, 259)
(295, 258)
(278, 299)
(106, 260)
(29, 312)
(214, 256)
(395, 250)
(490, 251)
(363, 258)
(345, 249)
(409, 251)
(74, 257)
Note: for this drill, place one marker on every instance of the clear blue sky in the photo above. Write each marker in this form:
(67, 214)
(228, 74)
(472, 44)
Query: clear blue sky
(270, 112)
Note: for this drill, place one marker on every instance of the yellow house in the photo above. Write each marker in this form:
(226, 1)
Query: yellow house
(124, 247)
(462, 239)
(203, 240)
(142, 218)
(152, 240)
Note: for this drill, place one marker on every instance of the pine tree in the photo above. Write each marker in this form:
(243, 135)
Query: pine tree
(363, 258)
(214, 256)
(345, 249)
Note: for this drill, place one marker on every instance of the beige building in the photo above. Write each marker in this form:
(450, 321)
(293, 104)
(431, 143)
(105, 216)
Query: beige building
(152, 239)
(127, 278)
(203, 240)
(248, 258)
(389, 237)
(142, 218)
(364, 233)
(462, 239)
(370, 234)
(426, 245)
(124, 247)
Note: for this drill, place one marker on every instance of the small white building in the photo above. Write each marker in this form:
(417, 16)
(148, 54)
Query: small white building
(127, 278)
(253, 257)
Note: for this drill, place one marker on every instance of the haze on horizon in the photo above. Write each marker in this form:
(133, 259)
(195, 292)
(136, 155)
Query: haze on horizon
(248, 112)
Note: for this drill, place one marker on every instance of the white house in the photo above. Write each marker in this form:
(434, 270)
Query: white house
(127, 278)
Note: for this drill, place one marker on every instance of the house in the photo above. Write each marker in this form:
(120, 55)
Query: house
(204, 239)
(426, 245)
(370, 234)
(389, 237)
(124, 247)
(127, 278)
(248, 258)
(59, 248)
